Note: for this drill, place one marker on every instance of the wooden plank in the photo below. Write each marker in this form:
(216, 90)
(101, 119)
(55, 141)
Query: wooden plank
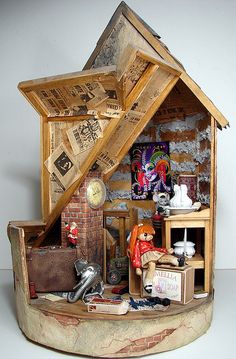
(122, 236)
(71, 118)
(142, 204)
(129, 137)
(16, 236)
(83, 76)
(78, 310)
(221, 120)
(196, 261)
(116, 213)
(207, 257)
(157, 60)
(139, 88)
(44, 154)
(38, 106)
(213, 198)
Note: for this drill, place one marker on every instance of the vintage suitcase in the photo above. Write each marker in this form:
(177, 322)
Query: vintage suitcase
(52, 268)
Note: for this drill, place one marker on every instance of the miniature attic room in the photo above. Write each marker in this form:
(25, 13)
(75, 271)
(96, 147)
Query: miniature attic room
(128, 182)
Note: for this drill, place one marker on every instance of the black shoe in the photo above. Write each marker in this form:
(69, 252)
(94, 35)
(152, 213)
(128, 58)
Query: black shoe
(148, 288)
(166, 302)
(155, 300)
(181, 261)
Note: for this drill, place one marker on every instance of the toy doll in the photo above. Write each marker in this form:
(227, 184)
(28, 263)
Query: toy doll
(143, 254)
(73, 234)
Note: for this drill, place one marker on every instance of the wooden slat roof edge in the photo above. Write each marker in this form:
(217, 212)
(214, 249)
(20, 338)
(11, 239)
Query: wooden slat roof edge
(28, 84)
(153, 39)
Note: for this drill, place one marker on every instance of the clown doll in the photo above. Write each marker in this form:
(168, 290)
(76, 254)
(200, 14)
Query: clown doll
(143, 254)
(73, 234)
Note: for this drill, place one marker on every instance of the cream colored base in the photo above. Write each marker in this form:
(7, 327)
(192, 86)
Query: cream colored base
(109, 338)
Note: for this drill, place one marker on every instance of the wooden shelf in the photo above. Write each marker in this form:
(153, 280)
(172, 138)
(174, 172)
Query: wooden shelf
(196, 261)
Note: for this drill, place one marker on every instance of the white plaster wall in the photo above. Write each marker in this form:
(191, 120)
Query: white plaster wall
(48, 37)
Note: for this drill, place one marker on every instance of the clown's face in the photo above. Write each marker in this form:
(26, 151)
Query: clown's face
(145, 237)
(150, 171)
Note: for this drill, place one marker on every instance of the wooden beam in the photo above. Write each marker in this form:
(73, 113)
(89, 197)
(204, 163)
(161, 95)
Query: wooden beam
(141, 125)
(44, 154)
(70, 78)
(140, 86)
(33, 100)
(73, 118)
(213, 196)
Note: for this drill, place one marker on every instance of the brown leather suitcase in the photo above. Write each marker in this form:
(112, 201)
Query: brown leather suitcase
(51, 269)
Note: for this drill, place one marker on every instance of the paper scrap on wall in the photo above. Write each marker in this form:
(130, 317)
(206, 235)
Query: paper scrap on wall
(63, 167)
(73, 100)
(84, 135)
(106, 162)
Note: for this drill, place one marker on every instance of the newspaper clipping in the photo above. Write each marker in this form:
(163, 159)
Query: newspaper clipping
(73, 100)
(84, 135)
(63, 167)
(106, 162)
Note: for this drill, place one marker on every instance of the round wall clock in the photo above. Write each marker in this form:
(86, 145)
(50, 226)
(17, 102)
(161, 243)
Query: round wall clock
(96, 193)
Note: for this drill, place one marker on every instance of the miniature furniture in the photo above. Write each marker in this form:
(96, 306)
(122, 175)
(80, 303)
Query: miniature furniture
(199, 219)
(123, 216)
(130, 89)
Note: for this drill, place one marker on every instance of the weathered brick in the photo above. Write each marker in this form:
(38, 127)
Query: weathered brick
(178, 136)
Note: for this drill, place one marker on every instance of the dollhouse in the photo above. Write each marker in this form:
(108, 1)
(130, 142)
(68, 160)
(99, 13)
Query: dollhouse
(132, 107)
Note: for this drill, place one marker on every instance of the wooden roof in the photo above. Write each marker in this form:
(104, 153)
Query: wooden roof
(130, 69)
(160, 48)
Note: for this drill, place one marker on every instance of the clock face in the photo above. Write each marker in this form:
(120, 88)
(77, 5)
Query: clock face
(96, 193)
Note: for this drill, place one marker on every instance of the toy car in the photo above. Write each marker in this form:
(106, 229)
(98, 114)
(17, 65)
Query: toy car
(117, 268)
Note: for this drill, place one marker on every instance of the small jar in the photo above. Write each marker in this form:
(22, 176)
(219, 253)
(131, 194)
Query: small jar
(179, 249)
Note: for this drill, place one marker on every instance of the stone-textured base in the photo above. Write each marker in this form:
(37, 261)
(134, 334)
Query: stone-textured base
(109, 338)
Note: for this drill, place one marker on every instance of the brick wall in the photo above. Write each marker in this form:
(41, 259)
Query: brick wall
(89, 221)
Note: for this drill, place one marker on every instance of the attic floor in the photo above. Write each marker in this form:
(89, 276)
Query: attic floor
(78, 310)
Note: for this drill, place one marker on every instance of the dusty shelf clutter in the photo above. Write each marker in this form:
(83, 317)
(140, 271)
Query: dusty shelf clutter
(129, 143)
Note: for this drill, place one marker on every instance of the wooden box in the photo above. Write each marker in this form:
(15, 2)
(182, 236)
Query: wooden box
(175, 284)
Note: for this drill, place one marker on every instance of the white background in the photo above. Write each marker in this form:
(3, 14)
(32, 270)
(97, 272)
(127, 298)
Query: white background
(49, 37)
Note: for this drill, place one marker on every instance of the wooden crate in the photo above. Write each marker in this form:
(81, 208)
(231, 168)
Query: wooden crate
(175, 284)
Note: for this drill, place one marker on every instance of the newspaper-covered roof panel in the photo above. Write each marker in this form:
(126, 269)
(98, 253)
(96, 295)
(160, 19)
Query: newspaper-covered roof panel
(91, 92)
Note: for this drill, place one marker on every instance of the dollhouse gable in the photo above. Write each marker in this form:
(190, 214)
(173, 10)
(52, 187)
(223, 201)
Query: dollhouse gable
(125, 81)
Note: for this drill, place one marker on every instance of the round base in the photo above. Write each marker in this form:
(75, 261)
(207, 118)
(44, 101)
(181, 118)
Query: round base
(70, 328)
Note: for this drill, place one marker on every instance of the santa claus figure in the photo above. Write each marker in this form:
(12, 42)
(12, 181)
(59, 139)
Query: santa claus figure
(72, 234)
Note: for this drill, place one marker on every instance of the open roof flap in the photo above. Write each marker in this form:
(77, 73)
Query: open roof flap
(88, 92)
